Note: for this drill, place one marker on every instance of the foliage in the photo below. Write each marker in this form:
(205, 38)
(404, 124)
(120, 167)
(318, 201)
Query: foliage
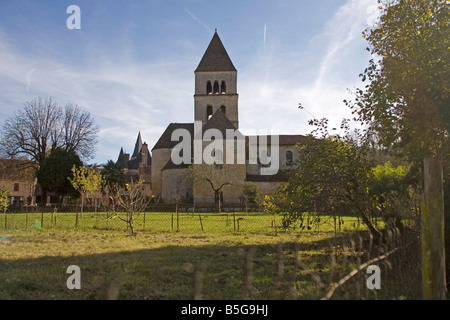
(41, 125)
(387, 178)
(330, 177)
(250, 193)
(54, 171)
(113, 174)
(88, 182)
(405, 102)
(4, 199)
(394, 196)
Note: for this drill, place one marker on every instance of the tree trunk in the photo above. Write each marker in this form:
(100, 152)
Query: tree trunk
(447, 230)
(217, 199)
(432, 233)
(131, 225)
(82, 204)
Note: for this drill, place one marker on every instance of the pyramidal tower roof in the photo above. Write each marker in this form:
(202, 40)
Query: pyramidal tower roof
(137, 146)
(216, 57)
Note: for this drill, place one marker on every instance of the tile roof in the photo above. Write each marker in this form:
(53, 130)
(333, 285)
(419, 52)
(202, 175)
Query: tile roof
(216, 57)
(284, 140)
(219, 121)
(170, 165)
(165, 141)
(17, 169)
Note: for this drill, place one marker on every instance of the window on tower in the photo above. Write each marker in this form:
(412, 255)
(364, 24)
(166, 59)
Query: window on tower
(209, 112)
(223, 87)
(216, 87)
(208, 87)
(223, 109)
(289, 158)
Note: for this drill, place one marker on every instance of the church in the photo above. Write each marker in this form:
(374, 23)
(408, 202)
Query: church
(216, 113)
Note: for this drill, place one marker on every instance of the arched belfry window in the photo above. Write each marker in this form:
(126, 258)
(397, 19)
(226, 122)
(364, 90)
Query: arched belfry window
(208, 87)
(289, 157)
(209, 112)
(223, 109)
(223, 87)
(216, 87)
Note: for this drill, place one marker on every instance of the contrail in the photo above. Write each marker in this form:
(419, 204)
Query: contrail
(265, 33)
(208, 29)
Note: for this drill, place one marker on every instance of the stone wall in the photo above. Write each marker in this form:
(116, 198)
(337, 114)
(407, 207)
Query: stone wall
(160, 157)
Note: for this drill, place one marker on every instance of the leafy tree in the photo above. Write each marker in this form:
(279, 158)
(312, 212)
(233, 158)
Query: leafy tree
(54, 171)
(405, 103)
(4, 200)
(88, 182)
(113, 174)
(395, 197)
(41, 125)
(406, 99)
(250, 193)
(331, 176)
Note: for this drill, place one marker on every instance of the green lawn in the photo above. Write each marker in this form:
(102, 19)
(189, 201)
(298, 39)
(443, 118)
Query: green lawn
(254, 262)
(164, 221)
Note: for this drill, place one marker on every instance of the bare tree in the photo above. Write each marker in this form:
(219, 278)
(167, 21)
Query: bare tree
(125, 204)
(78, 131)
(218, 176)
(42, 125)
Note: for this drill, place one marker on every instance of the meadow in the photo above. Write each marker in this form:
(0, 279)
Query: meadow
(177, 259)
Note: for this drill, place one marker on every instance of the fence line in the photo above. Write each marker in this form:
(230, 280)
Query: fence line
(161, 221)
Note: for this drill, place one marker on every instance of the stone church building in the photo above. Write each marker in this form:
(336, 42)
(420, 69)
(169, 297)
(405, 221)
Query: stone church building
(216, 110)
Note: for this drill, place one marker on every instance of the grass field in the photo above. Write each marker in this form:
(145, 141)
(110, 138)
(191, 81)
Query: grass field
(166, 221)
(216, 263)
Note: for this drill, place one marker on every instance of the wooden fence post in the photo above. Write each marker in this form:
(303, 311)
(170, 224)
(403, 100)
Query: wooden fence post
(432, 237)
(201, 224)
(178, 220)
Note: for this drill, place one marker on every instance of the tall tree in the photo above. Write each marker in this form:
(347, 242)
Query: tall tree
(41, 125)
(55, 170)
(406, 100)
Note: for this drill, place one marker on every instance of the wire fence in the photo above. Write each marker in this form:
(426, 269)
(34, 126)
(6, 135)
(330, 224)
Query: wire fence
(163, 221)
(181, 217)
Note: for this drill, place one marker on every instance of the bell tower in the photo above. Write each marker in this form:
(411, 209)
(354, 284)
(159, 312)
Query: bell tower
(216, 84)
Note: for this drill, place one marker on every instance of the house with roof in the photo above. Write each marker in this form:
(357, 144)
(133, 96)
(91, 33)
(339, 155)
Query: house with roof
(17, 176)
(215, 110)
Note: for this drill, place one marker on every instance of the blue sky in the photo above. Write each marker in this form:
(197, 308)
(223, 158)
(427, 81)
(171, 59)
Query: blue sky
(131, 65)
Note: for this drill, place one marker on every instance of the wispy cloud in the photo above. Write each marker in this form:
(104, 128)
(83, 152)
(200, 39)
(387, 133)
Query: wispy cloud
(318, 78)
(124, 99)
(204, 25)
(129, 96)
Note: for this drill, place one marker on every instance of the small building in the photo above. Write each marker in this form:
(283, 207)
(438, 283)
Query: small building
(17, 176)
